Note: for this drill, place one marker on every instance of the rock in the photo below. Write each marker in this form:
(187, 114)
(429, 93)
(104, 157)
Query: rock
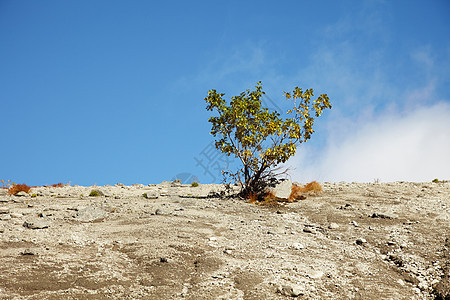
(16, 215)
(383, 216)
(164, 193)
(165, 184)
(27, 252)
(333, 226)
(361, 241)
(5, 217)
(3, 192)
(90, 214)
(308, 230)
(291, 290)
(36, 224)
(423, 285)
(313, 274)
(281, 188)
(354, 223)
(176, 183)
(151, 195)
(347, 206)
(396, 259)
(21, 194)
(158, 212)
(229, 249)
(4, 210)
(298, 246)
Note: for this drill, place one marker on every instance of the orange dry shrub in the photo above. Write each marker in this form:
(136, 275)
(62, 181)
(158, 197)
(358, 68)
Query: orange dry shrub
(252, 198)
(269, 200)
(296, 193)
(313, 188)
(13, 190)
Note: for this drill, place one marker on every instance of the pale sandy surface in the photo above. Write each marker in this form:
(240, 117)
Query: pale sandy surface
(355, 241)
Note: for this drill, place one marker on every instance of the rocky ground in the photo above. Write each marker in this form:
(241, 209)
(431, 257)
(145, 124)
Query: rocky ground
(354, 241)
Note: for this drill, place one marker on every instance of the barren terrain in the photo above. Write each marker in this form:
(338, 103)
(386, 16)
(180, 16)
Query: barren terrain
(354, 241)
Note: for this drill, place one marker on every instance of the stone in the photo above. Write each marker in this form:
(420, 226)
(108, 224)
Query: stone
(291, 290)
(333, 226)
(90, 214)
(158, 212)
(176, 183)
(27, 252)
(16, 215)
(5, 217)
(308, 230)
(347, 206)
(361, 241)
(164, 193)
(36, 224)
(165, 184)
(313, 274)
(21, 194)
(423, 285)
(281, 188)
(151, 195)
(4, 210)
(3, 192)
(383, 216)
(298, 246)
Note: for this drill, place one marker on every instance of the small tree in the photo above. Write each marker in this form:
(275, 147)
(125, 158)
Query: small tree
(259, 138)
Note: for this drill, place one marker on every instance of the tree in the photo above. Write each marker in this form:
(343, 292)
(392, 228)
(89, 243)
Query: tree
(261, 139)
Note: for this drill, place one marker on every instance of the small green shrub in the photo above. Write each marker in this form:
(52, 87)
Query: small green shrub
(145, 195)
(435, 180)
(34, 196)
(95, 193)
(194, 184)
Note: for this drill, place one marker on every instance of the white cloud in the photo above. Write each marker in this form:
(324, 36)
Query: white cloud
(412, 147)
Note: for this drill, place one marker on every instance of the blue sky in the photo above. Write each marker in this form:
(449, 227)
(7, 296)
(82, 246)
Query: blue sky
(101, 92)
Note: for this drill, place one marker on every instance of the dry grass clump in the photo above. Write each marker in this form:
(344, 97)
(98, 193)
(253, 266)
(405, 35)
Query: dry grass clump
(58, 185)
(270, 200)
(252, 198)
(267, 199)
(298, 192)
(14, 189)
(313, 187)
